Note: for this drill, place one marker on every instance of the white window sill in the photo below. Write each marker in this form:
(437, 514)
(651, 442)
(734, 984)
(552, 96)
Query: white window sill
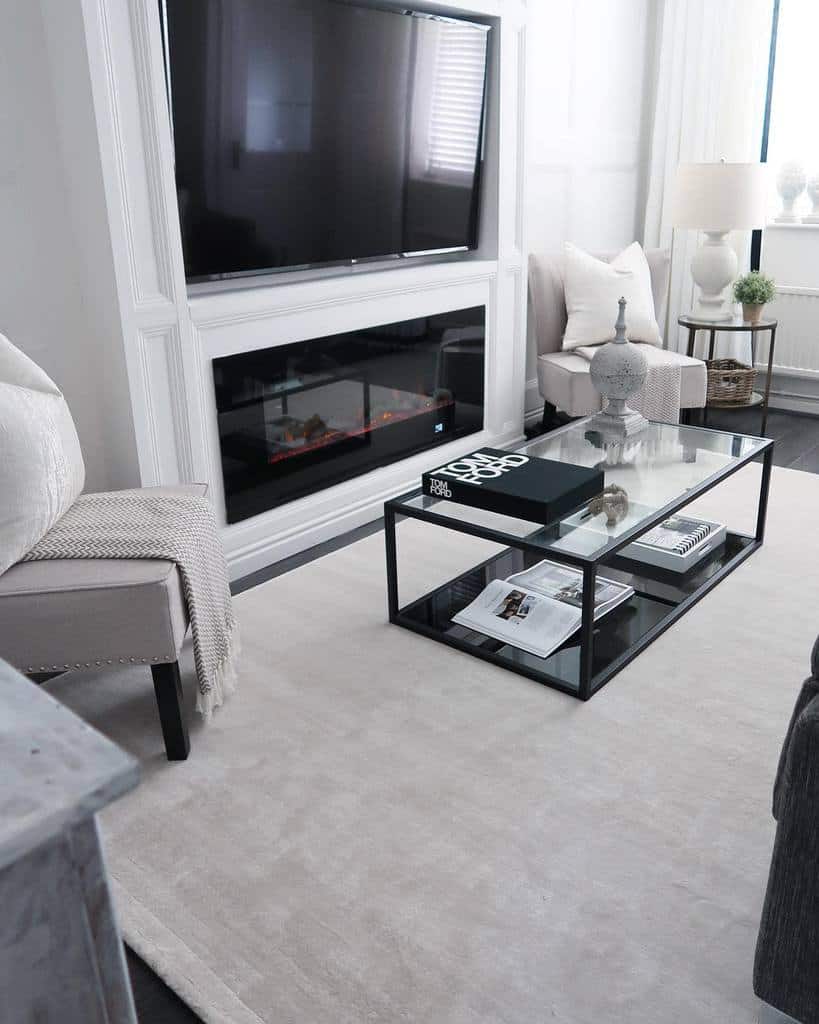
(800, 226)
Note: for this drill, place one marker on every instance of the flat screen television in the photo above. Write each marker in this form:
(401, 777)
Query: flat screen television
(315, 132)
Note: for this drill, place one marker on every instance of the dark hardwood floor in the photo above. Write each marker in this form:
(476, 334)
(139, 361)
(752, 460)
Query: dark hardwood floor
(797, 447)
(155, 1002)
(796, 434)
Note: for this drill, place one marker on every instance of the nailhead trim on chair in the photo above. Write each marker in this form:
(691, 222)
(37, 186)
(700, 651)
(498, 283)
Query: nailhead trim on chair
(98, 664)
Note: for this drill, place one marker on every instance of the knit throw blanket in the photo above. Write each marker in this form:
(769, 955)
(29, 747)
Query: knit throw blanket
(180, 528)
(659, 397)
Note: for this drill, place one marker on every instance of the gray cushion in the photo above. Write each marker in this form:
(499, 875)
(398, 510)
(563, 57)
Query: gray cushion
(69, 613)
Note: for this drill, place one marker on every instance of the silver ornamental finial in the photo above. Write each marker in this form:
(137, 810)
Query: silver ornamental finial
(618, 371)
(620, 326)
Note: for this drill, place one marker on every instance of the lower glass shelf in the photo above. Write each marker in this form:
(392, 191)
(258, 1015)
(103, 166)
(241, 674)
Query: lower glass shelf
(660, 597)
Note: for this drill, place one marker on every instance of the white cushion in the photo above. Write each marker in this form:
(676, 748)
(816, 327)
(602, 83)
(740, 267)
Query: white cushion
(593, 288)
(41, 466)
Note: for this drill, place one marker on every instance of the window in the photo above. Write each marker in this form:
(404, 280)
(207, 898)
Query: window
(793, 133)
(457, 101)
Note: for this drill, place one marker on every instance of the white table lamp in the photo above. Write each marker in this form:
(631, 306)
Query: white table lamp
(716, 199)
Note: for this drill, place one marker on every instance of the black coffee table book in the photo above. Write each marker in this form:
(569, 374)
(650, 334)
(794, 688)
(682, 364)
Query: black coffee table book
(514, 484)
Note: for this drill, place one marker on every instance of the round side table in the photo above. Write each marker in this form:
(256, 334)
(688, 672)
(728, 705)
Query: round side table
(713, 326)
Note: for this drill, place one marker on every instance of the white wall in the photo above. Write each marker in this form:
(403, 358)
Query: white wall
(45, 298)
(115, 463)
(40, 303)
(591, 81)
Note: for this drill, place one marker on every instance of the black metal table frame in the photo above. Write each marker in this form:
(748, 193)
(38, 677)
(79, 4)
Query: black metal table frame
(693, 325)
(588, 684)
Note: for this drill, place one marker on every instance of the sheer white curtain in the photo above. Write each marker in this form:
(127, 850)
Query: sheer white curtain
(711, 78)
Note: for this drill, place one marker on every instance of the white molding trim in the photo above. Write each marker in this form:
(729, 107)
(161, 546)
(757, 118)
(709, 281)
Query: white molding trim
(520, 153)
(788, 289)
(798, 226)
(232, 308)
(371, 308)
(144, 344)
(534, 401)
(797, 373)
(148, 103)
(792, 390)
(141, 295)
(119, 152)
(163, 378)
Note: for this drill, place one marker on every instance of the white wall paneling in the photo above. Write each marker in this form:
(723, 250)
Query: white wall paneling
(589, 83)
(125, 53)
(45, 302)
(165, 398)
(169, 335)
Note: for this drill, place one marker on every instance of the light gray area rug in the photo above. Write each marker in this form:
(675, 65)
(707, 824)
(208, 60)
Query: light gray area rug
(378, 829)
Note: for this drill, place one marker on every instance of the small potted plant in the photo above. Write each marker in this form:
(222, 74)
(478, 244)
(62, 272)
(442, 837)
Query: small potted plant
(753, 291)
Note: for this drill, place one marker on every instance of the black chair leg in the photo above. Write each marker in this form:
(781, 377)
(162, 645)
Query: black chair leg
(549, 420)
(168, 688)
(553, 418)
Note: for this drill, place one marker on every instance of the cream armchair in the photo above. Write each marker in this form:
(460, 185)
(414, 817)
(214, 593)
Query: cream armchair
(563, 377)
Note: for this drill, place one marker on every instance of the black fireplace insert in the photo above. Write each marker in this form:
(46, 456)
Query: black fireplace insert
(299, 417)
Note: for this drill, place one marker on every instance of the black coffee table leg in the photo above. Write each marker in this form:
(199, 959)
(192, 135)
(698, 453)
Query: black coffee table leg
(768, 382)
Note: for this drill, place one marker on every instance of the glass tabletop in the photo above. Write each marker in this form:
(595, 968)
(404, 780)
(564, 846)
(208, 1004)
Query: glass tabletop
(734, 324)
(662, 466)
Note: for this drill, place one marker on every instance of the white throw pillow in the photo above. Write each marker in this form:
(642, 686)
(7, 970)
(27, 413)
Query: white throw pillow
(41, 466)
(593, 289)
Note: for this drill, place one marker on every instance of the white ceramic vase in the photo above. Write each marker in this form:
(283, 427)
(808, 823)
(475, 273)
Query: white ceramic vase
(790, 183)
(812, 188)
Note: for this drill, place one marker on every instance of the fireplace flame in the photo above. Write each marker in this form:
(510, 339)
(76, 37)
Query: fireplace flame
(316, 434)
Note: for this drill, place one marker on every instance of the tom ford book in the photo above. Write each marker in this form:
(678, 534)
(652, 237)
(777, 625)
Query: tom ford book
(513, 484)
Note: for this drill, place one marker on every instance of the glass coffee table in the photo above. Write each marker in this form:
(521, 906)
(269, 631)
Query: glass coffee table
(663, 469)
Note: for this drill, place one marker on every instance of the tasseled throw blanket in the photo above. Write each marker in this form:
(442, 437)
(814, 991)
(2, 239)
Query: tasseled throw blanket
(659, 398)
(180, 528)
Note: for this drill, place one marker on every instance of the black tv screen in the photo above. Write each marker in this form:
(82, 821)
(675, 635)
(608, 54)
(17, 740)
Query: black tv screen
(310, 132)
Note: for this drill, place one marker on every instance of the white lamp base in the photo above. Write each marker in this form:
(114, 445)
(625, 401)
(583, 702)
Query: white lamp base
(713, 268)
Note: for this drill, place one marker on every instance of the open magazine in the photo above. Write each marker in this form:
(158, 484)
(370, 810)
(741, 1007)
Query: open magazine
(538, 609)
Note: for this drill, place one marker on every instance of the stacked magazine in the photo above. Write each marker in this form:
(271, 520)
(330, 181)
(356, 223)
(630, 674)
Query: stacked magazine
(677, 543)
(537, 610)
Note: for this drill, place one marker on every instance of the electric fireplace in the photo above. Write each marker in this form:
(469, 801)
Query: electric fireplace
(296, 418)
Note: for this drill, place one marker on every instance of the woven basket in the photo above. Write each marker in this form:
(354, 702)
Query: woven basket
(729, 381)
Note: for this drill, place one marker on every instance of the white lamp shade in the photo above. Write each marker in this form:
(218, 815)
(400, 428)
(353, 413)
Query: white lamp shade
(720, 197)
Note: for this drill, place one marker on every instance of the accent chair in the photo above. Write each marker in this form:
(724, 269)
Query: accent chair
(563, 377)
